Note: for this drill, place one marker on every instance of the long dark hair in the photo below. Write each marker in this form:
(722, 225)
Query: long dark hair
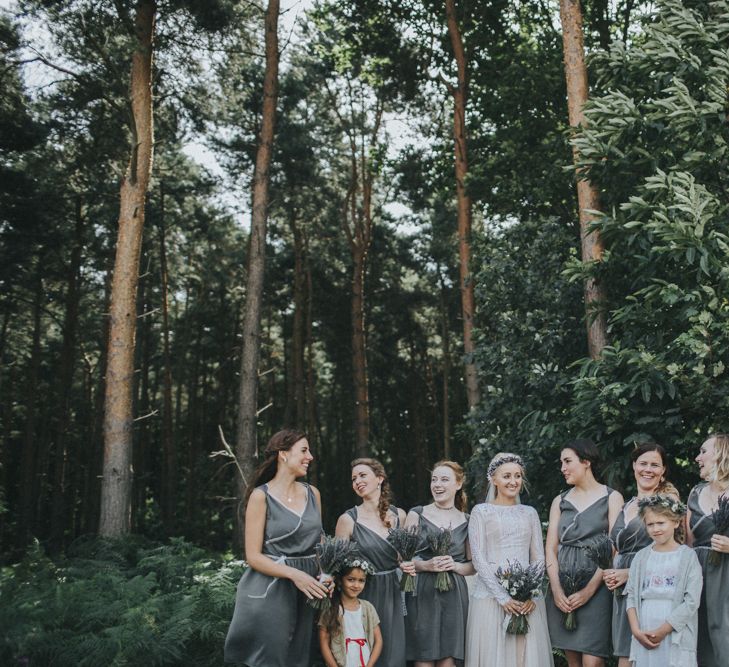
(282, 441)
(385, 493)
(664, 487)
(586, 450)
(330, 616)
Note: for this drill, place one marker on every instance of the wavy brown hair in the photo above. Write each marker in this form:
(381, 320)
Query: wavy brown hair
(282, 441)
(385, 493)
(664, 487)
(461, 500)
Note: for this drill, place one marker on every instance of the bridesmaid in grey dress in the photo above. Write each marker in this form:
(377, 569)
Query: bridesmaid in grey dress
(435, 624)
(630, 536)
(713, 641)
(272, 625)
(585, 511)
(368, 524)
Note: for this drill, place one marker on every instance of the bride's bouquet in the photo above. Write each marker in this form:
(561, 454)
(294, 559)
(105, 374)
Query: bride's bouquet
(522, 584)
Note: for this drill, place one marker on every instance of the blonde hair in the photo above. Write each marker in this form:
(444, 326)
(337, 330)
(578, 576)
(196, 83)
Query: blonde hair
(461, 500)
(494, 465)
(720, 470)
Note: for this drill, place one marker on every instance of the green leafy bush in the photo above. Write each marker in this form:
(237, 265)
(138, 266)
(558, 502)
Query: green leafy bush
(117, 603)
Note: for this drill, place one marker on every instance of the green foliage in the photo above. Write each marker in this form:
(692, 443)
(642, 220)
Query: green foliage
(118, 603)
(657, 146)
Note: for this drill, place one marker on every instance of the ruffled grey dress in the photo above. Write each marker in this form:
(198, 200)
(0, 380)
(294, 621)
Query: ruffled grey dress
(628, 541)
(435, 624)
(382, 589)
(592, 635)
(272, 625)
(713, 641)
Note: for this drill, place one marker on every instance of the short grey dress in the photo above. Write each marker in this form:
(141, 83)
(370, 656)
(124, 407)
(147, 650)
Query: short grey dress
(628, 541)
(382, 589)
(713, 641)
(435, 624)
(592, 635)
(272, 625)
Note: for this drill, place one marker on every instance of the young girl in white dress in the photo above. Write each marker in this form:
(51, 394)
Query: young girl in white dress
(664, 590)
(500, 531)
(349, 631)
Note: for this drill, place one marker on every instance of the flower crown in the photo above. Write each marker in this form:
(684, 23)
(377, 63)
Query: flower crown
(508, 458)
(361, 563)
(660, 500)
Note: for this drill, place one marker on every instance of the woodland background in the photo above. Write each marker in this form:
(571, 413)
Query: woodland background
(361, 316)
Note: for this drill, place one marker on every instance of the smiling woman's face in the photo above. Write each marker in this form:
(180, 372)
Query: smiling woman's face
(508, 480)
(364, 480)
(706, 459)
(649, 470)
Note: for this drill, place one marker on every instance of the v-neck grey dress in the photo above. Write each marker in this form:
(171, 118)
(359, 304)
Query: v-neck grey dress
(713, 641)
(435, 624)
(628, 540)
(272, 625)
(382, 589)
(592, 635)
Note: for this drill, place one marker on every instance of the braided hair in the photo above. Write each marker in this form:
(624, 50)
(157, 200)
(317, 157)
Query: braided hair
(384, 503)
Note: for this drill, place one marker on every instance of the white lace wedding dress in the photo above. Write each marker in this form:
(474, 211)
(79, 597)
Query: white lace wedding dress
(499, 534)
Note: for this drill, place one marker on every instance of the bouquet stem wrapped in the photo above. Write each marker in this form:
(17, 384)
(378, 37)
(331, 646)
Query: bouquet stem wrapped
(572, 582)
(441, 544)
(522, 584)
(405, 541)
(330, 553)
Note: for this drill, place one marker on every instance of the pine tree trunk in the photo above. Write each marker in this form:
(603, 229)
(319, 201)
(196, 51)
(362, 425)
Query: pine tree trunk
(359, 355)
(29, 464)
(298, 333)
(246, 438)
(460, 99)
(169, 454)
(59, 520)
(116, 486)
(446, 351)
(588, 198)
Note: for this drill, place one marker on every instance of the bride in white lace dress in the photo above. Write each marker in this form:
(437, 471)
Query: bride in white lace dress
(502, 530)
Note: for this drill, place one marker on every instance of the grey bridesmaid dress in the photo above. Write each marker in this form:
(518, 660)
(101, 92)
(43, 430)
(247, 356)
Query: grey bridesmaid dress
(628, 540)
(435, 624)
(592, 635)
(272, 625)
(382, 589)
(713, 640)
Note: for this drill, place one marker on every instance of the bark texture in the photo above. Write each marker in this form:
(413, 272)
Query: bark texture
(460, 140)
(116, 485)
(588, 198)
(246, 438)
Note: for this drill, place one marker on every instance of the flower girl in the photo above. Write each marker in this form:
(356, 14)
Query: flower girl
(663, 590)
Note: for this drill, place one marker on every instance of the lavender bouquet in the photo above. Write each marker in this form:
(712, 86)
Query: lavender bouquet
(440, 544)
(331, 552)
(405, 542)
(599, 550)
(572, 582)
(522, 584)
(720, 517)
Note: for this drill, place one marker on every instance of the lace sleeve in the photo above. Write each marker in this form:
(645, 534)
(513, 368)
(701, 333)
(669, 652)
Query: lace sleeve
(536, 545)
(485, 570)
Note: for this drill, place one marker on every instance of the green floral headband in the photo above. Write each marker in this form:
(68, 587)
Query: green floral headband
(660, 500)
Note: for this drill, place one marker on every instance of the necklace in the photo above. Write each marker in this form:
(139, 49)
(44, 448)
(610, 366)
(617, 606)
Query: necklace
(444, 509)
